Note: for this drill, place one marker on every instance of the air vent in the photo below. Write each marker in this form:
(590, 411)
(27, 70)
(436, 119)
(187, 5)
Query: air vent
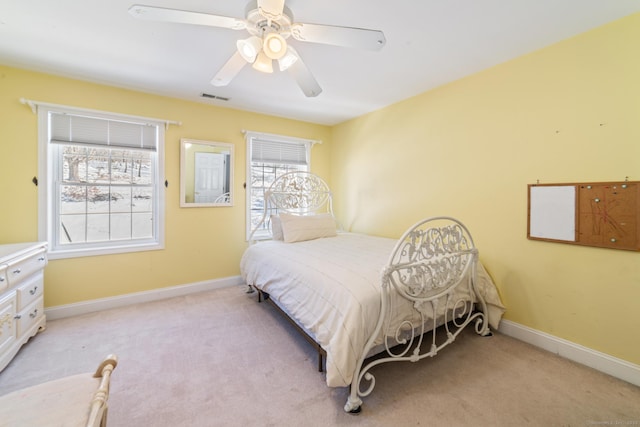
(208, 95)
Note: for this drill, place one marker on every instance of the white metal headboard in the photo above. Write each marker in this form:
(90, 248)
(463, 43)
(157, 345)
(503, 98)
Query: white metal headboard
(297, 192)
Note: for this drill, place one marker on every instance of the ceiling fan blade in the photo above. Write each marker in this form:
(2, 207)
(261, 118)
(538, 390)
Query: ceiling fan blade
(271, 9)
(358, 38)
(153, 13)
(304, 78)
(229, 70)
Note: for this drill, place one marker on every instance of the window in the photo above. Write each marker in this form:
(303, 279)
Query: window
(100, 186)
(269, 157)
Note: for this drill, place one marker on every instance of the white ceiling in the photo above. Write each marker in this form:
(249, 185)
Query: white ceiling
(429, 43)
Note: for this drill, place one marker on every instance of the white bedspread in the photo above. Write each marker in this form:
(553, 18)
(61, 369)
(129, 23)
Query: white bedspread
(331, 287)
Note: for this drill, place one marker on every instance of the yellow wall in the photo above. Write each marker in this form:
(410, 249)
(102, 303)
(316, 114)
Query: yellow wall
(201, 243)
(566, 113)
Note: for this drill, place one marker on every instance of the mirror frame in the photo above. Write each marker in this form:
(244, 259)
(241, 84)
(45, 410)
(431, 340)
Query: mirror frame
(212, 147)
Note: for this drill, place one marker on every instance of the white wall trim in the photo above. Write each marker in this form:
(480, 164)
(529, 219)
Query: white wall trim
(602, 362)
(68, 310)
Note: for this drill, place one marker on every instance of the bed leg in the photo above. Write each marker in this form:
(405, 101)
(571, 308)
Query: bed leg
(353, 405)
(262, 296)
(482, 326)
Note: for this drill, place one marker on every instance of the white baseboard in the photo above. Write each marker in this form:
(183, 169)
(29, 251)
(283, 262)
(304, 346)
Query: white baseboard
(594, 359)
(68, 310)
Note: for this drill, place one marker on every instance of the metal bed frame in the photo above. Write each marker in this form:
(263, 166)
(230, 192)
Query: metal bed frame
(432, 259)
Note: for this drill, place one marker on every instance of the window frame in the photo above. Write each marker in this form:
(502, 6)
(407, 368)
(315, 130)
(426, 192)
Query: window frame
(48, 188)
(250, 136)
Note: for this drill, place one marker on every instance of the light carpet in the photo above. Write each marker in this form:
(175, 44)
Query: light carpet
(220, 358)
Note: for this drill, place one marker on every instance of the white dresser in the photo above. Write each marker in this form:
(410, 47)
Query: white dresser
(21, 296)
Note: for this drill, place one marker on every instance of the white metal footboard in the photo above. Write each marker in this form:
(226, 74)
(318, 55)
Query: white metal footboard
(434, 266)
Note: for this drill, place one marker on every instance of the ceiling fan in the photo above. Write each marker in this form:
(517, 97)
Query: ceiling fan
(269, 24)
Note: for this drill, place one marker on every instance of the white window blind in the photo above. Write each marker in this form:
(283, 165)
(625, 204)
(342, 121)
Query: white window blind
(82, 130)
(269, 151)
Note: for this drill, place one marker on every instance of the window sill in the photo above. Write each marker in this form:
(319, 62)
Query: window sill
(89, 251)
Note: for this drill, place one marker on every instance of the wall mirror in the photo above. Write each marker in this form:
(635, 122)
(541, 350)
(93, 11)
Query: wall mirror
(206, 173)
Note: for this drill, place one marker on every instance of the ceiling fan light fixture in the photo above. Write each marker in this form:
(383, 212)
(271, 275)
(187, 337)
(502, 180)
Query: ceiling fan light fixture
(249, 48)
(274, 46)
(263, 63)
(288, 59)
(269, 24)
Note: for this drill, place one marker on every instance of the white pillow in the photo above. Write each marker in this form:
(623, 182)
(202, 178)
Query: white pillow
(297, 228)
(276, 228)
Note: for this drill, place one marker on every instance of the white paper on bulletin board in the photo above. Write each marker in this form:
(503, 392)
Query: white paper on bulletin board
(552, 212)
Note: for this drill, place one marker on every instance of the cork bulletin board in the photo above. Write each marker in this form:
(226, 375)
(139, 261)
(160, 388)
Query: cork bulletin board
(601, 214)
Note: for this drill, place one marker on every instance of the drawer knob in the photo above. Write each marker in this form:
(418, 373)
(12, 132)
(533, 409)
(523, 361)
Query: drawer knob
(41, 258)
(18, 316)
(613, 240)
(17, 271)
(1, 279)
(33, 291)
(33, 314)
(596, 200)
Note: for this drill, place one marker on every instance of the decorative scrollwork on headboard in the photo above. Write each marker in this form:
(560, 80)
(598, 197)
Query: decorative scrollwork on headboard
(431, 258)
(299, 192)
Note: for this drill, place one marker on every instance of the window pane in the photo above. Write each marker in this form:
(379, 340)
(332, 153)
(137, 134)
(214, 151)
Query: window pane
(98, 166)
(97, 227)
(72, 229)
(120, 226)
(98, 197)
(121, 166)
(142, 225)
(73, 199)
(257, 176)
(74, 164)
(142, 199)
(120, 199)
(142, 172)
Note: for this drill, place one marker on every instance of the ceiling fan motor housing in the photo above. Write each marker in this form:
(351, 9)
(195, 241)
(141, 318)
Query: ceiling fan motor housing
(259, 25)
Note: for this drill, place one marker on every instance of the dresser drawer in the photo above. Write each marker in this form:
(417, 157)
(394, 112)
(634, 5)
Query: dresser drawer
(29, 317)
(21, 296)
(21, 268)
(4, 283)
(7, 322)
(30, 290)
